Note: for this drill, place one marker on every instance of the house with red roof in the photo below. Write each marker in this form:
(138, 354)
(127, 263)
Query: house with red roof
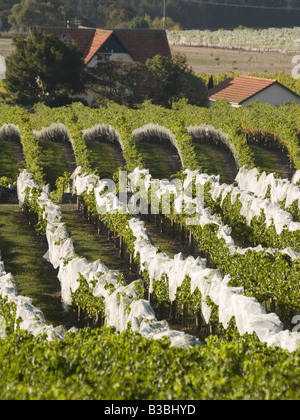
(243, 90)
(125, 45)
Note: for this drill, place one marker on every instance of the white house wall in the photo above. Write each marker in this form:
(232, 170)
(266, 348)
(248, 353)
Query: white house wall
(125, 58)
(122, 57)
(274, 95)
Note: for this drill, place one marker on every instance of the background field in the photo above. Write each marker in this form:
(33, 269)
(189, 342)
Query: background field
(216, 60)
(6, 46)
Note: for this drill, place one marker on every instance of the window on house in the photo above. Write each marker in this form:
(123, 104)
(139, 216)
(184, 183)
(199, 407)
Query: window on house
(103, 58)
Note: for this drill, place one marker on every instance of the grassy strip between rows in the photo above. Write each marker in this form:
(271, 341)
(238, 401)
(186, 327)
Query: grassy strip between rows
(211, 163)
(152, 156)
(52, 161)
(103, 160)
(22, 252)
(8, 162)
(271, 161)
(86, 241)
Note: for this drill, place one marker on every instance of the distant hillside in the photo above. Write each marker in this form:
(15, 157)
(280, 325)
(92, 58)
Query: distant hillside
(191, 14)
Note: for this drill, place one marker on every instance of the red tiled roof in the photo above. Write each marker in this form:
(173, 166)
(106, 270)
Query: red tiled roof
(88, 40)
(239, 89)
(99, 38)
(143, 43)
(82, 38)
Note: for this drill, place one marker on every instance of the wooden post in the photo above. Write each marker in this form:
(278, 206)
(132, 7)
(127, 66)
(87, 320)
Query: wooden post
(182, 234)
(172, 228)
(157, 220)
(173, 312)
(121, 244)
(198, 320)
(78, 314)
(108, 233)
(191, 241)
(272, 305)
(184, 314)
(162, 224)
(130, 262)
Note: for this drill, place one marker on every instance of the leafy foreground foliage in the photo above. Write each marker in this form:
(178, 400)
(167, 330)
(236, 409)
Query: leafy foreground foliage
(99, 364)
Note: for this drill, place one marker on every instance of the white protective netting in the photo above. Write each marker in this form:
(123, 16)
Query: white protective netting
(25, 180)
(203, 215)
(122, 305)
(250, 315)
(280, 190)
(28, 316)
(252, 206)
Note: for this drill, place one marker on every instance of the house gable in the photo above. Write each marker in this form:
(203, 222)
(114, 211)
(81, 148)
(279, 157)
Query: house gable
(123, 44)
(143, 44)
(110, 49)
(246, 89)
(99, 38)
(276, 94)
(112, 45)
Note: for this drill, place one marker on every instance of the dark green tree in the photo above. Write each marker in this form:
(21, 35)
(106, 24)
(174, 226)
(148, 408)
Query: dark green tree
(139, 22)
(43, 69)
(210, 84)
(160, 80)
(5, 10)
(123, 83)
(171, 80)
(33, 13)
